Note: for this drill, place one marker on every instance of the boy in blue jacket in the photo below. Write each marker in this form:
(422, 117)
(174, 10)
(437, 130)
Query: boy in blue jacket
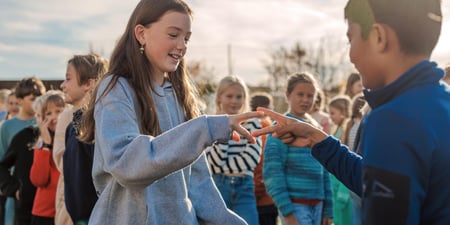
(403, 175)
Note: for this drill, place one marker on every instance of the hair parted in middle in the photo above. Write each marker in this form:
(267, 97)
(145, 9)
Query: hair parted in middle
(90, 66)
(301, 77)
(352, 78)
(128, 62)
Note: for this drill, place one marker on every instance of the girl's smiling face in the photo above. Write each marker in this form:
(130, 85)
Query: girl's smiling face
(165, 41)
(73, 91)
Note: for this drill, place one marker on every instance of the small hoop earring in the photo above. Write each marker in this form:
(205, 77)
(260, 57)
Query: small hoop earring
(141, 49)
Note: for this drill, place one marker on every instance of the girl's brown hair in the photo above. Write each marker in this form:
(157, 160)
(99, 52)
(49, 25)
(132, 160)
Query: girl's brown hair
(302, 77)
(262, 99)
(352, 79)
(306, 78)
(90, 66)
(341, 103)
(127, 62)
(358, 103)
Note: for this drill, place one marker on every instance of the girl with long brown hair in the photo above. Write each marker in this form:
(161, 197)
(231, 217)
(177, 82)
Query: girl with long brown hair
(149, 166)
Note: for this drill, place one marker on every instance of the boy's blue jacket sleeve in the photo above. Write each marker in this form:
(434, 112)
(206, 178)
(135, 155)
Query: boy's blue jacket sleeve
(338, 160)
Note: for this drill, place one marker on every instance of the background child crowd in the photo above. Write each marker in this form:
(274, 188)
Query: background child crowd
(125, 141)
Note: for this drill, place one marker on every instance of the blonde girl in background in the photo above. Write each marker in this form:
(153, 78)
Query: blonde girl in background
(15, 168)
(339, 108)
(232, 162)
(298, 184)
(44, 174)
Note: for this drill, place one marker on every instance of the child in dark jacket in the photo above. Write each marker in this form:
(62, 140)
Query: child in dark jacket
(18, 136)
(18, 185)
(79, 191)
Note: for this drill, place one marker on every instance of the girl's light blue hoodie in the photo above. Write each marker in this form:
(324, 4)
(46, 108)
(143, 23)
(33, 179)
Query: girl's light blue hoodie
(163, 180)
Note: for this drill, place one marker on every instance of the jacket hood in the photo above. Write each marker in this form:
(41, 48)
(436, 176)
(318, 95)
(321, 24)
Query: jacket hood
(422, 74)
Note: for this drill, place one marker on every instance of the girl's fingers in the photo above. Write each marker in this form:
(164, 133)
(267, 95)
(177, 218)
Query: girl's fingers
(263, 131)
(272, 114)
(297, 128)
(244, 132)
(249, 115)
(235, 136)
(236, 120)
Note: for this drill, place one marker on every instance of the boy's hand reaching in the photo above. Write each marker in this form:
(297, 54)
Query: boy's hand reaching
(236, 127)
(291, 131)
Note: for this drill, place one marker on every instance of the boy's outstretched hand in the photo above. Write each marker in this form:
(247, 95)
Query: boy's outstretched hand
(291, 131)
(237, 128)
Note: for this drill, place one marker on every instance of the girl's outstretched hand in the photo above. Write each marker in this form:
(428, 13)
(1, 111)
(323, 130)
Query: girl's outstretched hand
(237, 128)
(291, 131)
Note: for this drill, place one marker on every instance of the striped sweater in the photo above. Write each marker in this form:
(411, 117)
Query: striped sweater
(293, 173)
(233, 157)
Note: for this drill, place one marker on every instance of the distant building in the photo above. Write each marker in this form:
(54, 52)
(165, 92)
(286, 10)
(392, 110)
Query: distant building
(49, 84)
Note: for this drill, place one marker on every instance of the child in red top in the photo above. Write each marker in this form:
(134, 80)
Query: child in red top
(44, 174)
(267, 211)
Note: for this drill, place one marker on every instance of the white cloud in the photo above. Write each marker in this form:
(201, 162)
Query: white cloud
(7, 48)
(46, 33)
(15, 26)
(253, 27)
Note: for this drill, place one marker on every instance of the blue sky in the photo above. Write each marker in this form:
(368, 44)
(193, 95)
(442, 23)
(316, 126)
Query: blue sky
(38, 37)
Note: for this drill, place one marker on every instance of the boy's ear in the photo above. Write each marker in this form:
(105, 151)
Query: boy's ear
(139, 33)
(379, 36)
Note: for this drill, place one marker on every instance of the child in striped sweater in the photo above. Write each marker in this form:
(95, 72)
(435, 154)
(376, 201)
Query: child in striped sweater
(232, 163)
